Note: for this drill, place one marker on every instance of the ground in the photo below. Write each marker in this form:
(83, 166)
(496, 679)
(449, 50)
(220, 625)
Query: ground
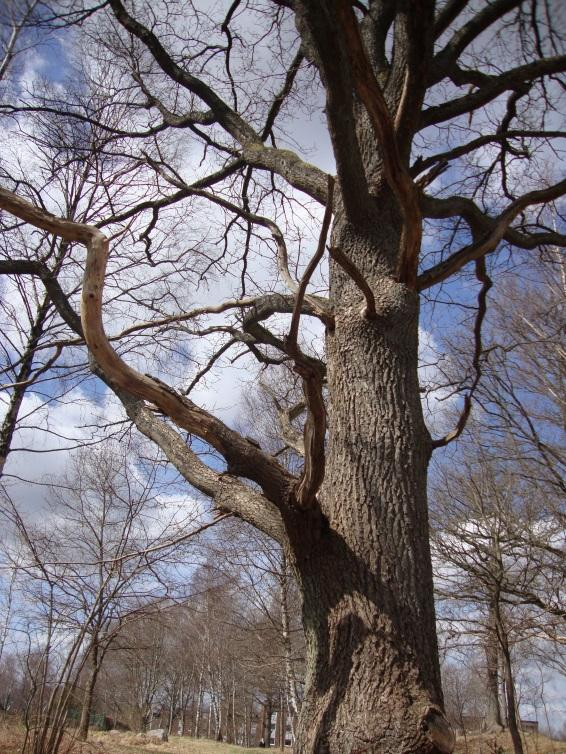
(128, 743)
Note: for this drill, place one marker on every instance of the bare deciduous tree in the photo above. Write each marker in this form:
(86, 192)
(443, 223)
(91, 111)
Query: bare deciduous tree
(506, 590)
(441, 121)
(103, 564)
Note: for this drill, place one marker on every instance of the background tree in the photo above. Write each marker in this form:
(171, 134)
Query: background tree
(522, 395)
(441, 121)
(464, 694)
(517, 438)
(504, 592)
(102, 565)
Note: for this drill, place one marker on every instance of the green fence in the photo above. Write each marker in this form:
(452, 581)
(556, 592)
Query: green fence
(97, 720)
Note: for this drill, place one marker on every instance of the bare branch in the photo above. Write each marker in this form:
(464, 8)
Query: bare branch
(489, 241)
(449, 13)
(300, 174)
(486, 284)
(490, 88)
(227, 492)
(461, 39)
(499, 138)
(350, 268)
(396, 173)
(289, 434)
(280, 98)
(250, 460)
(211, 362)
(52, 286)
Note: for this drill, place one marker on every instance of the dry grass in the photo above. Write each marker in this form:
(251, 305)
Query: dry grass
(11, 736)
(129, 743)
(500, 743)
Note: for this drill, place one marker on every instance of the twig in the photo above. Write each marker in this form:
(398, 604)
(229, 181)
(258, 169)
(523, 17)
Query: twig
(485, 280)
(312, 265)
(350, 268)
(213, 359)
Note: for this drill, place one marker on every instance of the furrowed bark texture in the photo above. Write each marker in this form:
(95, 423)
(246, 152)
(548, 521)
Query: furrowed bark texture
(364, 568)
(373, 680)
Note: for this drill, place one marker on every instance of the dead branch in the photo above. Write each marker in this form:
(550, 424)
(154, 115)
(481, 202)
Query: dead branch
(396, 173)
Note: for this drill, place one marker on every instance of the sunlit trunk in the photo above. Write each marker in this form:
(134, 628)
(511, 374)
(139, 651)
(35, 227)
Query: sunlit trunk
(372, 680)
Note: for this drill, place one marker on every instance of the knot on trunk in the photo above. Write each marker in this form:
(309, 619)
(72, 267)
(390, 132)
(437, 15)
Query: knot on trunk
(438, 730)
(393, 300)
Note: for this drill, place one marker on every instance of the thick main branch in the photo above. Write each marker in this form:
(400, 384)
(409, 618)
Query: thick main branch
(238, 452)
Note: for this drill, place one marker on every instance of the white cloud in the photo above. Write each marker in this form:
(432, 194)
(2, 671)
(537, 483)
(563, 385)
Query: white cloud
(438, 401)
(47, 435)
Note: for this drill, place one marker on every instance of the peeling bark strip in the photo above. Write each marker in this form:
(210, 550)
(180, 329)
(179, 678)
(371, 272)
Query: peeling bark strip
(397, 175)
(315, 424)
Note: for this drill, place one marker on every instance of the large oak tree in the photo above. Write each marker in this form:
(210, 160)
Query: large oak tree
(444, 125)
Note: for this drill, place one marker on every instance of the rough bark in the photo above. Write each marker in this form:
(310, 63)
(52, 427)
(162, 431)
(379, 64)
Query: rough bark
(363, 562)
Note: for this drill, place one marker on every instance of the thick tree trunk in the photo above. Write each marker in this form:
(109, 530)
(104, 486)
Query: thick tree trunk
(170, 718)
(373, 679)
(282, 723)
(291, 685)
(510, 698)
(84, 724)
(198, 714)
(86, 709)
(182, 712)
(267, 721)
(493, 711)
(512, 720)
